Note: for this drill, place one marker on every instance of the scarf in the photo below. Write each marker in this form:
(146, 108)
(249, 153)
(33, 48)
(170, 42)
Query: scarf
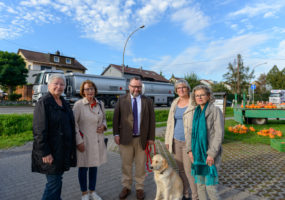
(203, 173)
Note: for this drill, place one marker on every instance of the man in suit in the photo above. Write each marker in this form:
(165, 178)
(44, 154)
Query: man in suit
(133, 128)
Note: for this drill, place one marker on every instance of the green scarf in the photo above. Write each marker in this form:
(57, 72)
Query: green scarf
(203, 173)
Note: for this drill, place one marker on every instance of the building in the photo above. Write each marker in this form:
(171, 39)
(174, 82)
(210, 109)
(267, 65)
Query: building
(208, 83)
(129, 72)
(37, 61)
(173, 79)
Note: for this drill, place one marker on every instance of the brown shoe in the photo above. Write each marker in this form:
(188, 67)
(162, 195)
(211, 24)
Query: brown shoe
(140, 195)
(124, 193)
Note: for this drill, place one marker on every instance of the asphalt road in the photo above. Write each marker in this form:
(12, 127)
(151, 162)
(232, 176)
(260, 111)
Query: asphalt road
(30, 109)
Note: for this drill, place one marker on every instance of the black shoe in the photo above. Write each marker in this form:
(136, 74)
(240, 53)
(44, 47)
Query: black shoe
(184, 198)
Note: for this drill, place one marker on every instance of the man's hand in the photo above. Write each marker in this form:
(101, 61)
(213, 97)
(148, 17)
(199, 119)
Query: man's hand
(117, 139)
(81, 147)
(48, 159)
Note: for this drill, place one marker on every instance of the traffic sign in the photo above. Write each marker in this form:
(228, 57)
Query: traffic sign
(253, 87)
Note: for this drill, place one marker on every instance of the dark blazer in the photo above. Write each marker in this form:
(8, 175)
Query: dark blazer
(123, 120)
(54, 133)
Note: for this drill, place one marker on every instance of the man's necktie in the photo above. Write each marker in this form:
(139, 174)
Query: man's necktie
(135, 114)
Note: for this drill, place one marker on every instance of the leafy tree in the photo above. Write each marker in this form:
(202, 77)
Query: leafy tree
(12, 70)
(244, 76)
(192, 80)
(220, 87)
(261, 84)
(276, 78)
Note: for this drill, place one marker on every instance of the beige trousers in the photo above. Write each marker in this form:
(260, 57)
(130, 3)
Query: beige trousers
(130, 153)
(184, 167)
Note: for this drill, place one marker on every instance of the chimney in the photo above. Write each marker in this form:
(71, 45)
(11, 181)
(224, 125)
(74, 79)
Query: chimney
(141, 68)
(57, 52)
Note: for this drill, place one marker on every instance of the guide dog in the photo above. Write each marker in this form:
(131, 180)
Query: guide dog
(168, 183)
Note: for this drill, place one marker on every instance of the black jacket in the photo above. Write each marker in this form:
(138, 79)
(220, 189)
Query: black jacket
(54, 133)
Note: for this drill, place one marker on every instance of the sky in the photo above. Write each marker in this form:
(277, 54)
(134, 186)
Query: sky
(179, 37)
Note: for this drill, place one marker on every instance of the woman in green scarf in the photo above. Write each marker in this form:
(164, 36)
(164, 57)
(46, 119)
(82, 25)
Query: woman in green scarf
(204, 143)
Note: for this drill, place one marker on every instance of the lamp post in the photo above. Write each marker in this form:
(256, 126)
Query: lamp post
(253, 86)
(123, 65)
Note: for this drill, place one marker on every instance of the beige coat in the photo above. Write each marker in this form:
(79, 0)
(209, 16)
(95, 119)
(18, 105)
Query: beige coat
(170, 122)
(215, 131)
(87, 120)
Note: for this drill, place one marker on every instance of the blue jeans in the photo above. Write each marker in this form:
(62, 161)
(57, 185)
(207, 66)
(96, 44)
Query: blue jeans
(82, 176)
(53, 187)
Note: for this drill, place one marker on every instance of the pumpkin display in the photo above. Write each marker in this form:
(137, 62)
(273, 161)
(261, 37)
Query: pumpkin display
(242, 129)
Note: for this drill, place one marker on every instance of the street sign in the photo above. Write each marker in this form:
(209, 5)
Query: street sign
(253, 87)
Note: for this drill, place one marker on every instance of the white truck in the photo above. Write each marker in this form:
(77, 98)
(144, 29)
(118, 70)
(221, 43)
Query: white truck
(277, 96)
(109, 88)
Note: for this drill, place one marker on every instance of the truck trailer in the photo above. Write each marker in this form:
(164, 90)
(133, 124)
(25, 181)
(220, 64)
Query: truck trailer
(109, 88)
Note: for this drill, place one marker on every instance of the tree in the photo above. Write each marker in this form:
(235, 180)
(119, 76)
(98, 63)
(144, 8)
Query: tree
(276, 78)
(220, 87)
(261, 84)
(12, 71)
(192, 80)
(238, 76)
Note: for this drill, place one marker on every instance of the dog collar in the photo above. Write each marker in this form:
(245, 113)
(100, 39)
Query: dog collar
(163, 171)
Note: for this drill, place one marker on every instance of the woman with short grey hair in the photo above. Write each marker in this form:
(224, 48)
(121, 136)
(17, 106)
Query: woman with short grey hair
(177, 129)
(204, 143)
(56, 76)
(181, 82)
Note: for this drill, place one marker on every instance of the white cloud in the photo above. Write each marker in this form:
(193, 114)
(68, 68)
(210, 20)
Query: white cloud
(106, 21)
(267, 10)
(213, 60)
(192, 19)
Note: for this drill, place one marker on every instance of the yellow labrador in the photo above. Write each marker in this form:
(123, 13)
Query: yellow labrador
(168, 183)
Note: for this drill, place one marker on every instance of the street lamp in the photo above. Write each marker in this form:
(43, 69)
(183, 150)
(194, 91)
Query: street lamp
(253, 87)
(123, 65)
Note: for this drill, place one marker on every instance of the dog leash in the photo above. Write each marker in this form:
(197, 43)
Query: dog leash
(148, 157)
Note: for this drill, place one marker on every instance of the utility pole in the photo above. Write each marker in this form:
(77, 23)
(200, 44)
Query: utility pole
(238, 82)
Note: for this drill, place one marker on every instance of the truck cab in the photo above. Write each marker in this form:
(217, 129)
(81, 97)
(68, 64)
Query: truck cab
(40, 86)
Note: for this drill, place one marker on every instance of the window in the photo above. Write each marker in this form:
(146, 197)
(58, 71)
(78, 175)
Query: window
(45, 67)
(29, 67)
(56, 59)
(68, 71)
(68, 61)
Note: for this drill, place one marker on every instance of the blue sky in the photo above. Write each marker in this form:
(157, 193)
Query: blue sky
(180, 36)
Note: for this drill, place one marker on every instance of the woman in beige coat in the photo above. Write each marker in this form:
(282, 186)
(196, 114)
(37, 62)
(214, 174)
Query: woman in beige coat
(204, 141)
(177, 128)
(90, 124)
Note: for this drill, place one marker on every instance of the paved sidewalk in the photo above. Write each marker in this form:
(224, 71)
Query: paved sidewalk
(17, 181)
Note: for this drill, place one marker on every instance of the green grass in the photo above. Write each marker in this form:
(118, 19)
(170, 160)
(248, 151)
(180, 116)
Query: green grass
(7, 141)
(229, 112)
(13, 124)
(253, 138)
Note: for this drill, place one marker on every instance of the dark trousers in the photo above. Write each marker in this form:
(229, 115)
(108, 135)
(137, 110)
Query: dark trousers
(82, 176)
(53, 187)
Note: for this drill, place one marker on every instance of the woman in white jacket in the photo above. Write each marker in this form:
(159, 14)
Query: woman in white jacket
(90, 124)
(177, 128)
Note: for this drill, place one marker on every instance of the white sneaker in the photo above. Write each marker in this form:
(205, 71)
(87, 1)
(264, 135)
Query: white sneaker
(95, 196)
(85, 197)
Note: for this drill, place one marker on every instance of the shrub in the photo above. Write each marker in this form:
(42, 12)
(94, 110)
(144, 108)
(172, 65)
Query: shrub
(15, 123)
(14, 97)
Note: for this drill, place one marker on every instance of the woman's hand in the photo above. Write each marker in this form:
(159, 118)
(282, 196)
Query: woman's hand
(210, 161)
(167, 146)
(81, 147)
(191, 156)
(48, 159)
(100, 129)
